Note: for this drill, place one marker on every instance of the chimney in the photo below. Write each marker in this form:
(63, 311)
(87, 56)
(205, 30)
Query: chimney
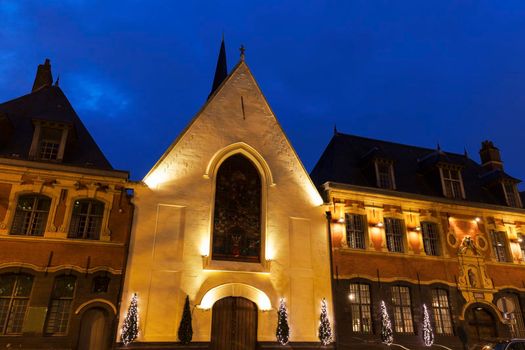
(43, 76)
(490, 157)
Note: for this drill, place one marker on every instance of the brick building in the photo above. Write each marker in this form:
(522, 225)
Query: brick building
(65, 218)
(413, 226)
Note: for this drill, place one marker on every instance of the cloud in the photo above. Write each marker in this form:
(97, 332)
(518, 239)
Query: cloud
(94, 94)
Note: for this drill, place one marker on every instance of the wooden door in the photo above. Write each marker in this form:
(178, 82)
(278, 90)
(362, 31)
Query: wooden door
(234, 324)
(94, 334)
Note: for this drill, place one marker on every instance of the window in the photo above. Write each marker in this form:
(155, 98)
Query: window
(60, 305)
(499, 245)
(521, 241)
(516, 317)
(452, 184)
(385, 175)
(86, 220)
(441, 308)
(430, 238)
(511, 194)
(14, 299)
(100, 284)
(394, 234)
(402, 310)
(31, 215)
(359, 297)
(50, 139)
(355, 230)
(237, 213)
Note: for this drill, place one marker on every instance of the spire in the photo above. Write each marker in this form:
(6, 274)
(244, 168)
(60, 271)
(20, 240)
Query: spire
(221, 71)
(43, 76)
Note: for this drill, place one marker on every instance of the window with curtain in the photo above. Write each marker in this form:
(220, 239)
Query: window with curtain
(86, 219)
(15, 291)
(359, 297)
(31, 215)
(402, 309)
(60, 305)
(355, 230)
(441, 310)
(430, 238)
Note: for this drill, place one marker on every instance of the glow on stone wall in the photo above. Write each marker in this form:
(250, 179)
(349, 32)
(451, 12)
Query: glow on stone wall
(235, 290)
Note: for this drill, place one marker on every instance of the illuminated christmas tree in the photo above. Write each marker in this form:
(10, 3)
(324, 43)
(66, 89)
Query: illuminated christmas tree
(185, 330)
(428, 333)
(387, 335)
(325, 331)
(283, 330)
(130, 327)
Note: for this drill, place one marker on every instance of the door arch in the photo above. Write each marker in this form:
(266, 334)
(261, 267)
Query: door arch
(94, 330)
(234, 324)
(482, 324)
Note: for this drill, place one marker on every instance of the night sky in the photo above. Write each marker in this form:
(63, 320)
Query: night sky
(415, 72)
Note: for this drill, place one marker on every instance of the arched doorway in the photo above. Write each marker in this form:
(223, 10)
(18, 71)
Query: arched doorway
(481, 323)
(234, 324)
(94, 330)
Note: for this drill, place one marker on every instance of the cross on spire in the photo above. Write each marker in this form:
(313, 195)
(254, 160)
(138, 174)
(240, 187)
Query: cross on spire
(242, 49)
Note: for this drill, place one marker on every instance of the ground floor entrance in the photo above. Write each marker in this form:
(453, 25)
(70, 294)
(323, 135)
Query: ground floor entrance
(234, 324)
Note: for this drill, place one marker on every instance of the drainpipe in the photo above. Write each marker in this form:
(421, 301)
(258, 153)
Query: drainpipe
(332, 285)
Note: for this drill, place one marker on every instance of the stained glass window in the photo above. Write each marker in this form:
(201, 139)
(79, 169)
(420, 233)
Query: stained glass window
(237, 211)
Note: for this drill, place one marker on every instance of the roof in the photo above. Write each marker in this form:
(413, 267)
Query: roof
(344, 161)
(50, 104)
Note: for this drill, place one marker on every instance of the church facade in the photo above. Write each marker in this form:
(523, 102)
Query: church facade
(229, 218)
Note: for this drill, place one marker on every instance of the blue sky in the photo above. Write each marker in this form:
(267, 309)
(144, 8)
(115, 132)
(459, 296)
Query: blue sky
(415, 72)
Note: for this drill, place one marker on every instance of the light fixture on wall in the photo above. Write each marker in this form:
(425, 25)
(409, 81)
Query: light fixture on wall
(341, 220)
(418, 228)
(380, 224)
(477, 219)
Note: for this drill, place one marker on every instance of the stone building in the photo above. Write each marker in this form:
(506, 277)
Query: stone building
(230, 218)
(415, 228)
(65, 219)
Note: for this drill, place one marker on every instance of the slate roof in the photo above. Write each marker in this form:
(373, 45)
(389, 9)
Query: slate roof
(344, 161)
(48, 103)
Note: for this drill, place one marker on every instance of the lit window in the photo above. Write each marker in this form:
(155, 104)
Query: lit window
(394, 234)
(402, 309)
(359, 297)
(355, 231)
(60, 305)
(14, 300)
(50, 139)
(430, 238)
(441, 308)
(385, 175)
(31, 215)
(86, 219)
(521, 241)
(452, 184)
(511, 195)
(499, 245)
(517, 325)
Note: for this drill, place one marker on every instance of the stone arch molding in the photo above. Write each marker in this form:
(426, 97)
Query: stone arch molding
(235, 290)
(247, 151)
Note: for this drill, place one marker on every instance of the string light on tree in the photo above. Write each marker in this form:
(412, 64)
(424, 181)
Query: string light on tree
(130, 327)
(283, 330)
(387, 335)
(325, 330)
(428, 333)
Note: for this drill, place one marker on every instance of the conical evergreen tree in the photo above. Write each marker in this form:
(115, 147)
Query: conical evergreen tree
(325, 331)
(130, 327)
(387, 335)
(185, 329)
(283, 329)
(428, 333)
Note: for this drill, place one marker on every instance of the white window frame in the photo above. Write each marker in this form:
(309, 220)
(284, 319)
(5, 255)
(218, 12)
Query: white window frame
(36, 144)
(392, 178)
(449, 178)
(514, 193)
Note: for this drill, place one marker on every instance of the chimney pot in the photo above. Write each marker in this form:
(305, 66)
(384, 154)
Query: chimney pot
(490, 156)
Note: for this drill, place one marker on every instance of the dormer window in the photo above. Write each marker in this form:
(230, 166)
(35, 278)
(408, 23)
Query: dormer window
(511, 194)
(49, 141)
(452, 183)
(385, 174)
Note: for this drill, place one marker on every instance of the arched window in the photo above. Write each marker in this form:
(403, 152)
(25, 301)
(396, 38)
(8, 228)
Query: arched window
(86, 219)
(60, 305)
(31, 215)
(14, 300)
(237, 214)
